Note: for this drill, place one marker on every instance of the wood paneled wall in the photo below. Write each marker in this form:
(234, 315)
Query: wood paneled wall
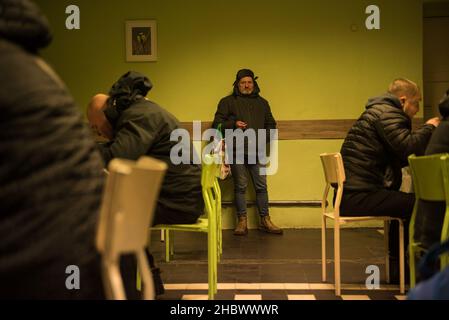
(306, 129)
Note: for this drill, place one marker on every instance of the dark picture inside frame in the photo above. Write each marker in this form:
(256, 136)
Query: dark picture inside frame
(141, 44)
(141, 41)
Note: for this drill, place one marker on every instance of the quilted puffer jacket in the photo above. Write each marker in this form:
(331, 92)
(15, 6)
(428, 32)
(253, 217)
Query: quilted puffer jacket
(378, 144)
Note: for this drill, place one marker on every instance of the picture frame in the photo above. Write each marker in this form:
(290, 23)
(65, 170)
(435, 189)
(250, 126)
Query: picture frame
(141, 40)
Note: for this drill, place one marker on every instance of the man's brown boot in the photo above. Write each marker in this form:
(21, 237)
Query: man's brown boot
(242, 227)
(267, 226)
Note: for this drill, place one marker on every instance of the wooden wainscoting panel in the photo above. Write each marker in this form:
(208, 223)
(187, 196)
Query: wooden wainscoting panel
(306, 129)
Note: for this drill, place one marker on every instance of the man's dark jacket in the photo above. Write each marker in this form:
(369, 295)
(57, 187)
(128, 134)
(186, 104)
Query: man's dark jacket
(430, 215)
(439, 143)
(50, 172)
(144, 128)
(252, 109)
(378, 144)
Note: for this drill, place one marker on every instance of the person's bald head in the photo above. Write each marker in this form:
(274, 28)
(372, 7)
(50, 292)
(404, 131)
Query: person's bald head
(97, 119)
(98, 102)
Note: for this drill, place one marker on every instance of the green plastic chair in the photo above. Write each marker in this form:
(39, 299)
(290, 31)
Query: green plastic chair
(210, 223)
(445, 229)
(431, 183)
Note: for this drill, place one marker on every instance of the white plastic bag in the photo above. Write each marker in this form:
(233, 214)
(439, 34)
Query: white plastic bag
(220, 150)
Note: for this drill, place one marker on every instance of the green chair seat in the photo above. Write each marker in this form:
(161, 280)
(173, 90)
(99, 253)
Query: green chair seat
(202, 225)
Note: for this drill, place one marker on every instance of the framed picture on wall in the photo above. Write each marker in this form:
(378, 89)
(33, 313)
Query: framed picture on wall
(141, 40)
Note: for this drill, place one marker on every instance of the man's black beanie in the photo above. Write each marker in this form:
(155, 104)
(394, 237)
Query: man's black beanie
(244, 73)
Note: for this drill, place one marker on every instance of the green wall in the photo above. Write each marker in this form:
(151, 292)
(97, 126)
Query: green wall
(315, 60)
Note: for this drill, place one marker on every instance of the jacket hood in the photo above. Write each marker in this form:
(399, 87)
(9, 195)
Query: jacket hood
(130, 88)
(22, 23)
(388, 99)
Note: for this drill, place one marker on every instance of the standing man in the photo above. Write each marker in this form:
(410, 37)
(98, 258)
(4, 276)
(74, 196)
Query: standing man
(375, 150)
(246, 110)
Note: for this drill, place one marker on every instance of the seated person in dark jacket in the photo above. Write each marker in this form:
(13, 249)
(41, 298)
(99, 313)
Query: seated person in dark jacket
(135, 127)
(375, 150)
(430, 215)
(50, 173)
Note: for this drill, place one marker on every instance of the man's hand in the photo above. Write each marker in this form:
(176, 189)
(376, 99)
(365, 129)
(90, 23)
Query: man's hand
(434, 121)
(241, 124)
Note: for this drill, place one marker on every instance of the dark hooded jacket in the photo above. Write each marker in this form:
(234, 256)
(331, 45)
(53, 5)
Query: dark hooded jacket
(252, 109)
(142, 127)
(50, 172)
(430, 214)
(378, 145)
(439, 143)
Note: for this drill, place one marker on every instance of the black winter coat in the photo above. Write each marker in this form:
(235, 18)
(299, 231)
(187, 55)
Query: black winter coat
(51, 177)
(430, 214)
(253, 109)
(144, 128)
(378, 144)
(439, 143)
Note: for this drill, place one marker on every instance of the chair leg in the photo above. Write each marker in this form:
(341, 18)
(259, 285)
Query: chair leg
(212, 264)
(215, 250)
(219, 240)
(387, 255)
(401, 258)
(323, 250)
(145, 273)
(167, 245)
(162, 235)
(113, 281)
(220, 236)
(172, 243)
(412, 258)
(337, 258)
(217, 247)
(138, 280)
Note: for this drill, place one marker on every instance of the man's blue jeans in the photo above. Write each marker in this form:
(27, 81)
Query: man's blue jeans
(240, 176)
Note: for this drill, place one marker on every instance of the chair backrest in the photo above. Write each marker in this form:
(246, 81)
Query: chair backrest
(333, 168)
(431, 182)
(211, 188)
(445, 229)
(129, 198)
(427, 174)
(209, 170)
(334, 173)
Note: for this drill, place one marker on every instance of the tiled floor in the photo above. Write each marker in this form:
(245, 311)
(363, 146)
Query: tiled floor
(272, 267)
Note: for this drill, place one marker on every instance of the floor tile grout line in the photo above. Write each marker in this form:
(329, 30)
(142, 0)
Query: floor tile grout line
(273, 287)
(290, 297)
